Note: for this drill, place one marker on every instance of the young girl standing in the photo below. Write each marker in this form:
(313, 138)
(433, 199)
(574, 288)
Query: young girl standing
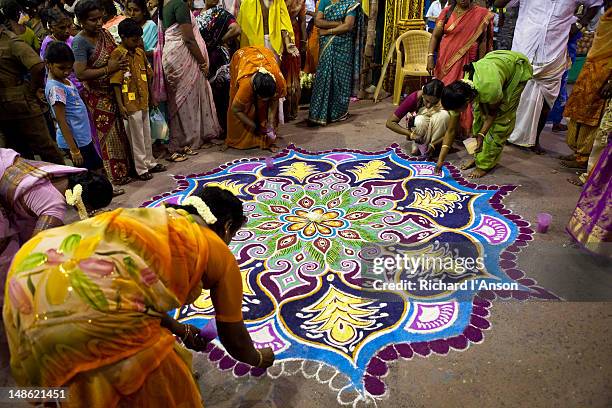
(73, 130)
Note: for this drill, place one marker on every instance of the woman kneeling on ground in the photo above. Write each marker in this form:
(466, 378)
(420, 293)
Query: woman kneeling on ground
(256, 85)
(426, 120)
(99, 322)
(494, 85)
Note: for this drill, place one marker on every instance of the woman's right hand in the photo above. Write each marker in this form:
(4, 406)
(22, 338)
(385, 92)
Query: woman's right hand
(430, 65)
(115, 65)
(606, 90)
(193, 340)
(267, 357)
(204, 68)
(77, 158)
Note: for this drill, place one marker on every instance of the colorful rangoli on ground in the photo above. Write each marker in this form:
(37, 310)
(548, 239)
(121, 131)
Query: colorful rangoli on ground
(314, 221)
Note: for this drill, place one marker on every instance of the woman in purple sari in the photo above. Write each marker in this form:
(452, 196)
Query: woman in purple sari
(591, 222)
(32, 199)
(191, 107)
(219, 30)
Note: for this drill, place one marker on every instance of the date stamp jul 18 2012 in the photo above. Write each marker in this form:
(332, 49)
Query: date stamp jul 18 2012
(35, 394)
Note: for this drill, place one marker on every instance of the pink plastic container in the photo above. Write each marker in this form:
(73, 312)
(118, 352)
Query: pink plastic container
(269, 163)
(544, 220)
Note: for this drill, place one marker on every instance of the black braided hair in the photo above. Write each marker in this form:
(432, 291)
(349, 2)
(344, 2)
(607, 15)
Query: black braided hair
(97, 190)
(457, 95)
(84, 7)
(469, 69)
(224, 205)
(433, 88)
(264, 85)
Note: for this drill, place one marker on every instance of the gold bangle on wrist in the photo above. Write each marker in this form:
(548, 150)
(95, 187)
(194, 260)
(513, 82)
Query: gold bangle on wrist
(480, 134)
(187, 331)
(260, 358)
(430, 55)
(447, 146)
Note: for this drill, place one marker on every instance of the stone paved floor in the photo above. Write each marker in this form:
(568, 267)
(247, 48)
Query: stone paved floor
(536, 354)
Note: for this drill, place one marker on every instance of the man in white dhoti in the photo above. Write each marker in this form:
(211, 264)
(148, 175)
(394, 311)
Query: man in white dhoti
(542, 32)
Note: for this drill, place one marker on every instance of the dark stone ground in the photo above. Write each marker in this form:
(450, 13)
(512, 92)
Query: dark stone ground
(544, 354)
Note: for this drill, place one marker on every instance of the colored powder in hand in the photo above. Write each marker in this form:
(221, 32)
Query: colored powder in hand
(209, 332)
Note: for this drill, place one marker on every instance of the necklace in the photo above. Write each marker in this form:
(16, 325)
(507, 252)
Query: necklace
(459, 12)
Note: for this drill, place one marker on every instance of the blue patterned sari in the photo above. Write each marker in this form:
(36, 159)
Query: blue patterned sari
(337, 76)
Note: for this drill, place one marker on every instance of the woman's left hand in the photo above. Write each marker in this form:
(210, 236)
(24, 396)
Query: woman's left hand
(293, 51)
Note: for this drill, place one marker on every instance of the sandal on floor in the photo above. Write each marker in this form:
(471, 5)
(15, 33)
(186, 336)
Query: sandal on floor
(158, 168)
(122, 181)
(343, 117)
(145, 176)
(574, 164)
(189, 152)
(177, 157)
(118, 191)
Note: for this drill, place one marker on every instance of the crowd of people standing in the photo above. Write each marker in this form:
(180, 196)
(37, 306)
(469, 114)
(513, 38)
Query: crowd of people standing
(505, 70)
(185, 74)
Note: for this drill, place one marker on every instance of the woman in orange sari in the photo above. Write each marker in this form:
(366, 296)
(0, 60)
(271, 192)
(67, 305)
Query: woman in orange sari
(463, 34)
(87, 305)
(256, 85)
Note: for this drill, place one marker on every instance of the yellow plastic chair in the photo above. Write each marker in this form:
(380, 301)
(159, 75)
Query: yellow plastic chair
(414, 58)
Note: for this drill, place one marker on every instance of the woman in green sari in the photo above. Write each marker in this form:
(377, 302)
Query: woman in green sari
(494, 85)
(340, 25)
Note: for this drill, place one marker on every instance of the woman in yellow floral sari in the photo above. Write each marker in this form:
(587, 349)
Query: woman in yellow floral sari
(87, 303)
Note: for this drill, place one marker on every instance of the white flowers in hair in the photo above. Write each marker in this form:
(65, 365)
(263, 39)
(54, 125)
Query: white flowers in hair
(73, 198)
(202, 209)
(470, 83)
(265, 71)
